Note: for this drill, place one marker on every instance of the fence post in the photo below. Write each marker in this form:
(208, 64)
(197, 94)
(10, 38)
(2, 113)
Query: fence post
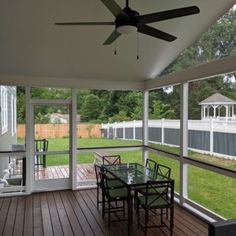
(115, 128)
(162, 130)
(123, 129)
(211, 135)
(108, 130)
(134, 123)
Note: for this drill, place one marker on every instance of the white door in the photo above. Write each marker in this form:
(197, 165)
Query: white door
(51, 145)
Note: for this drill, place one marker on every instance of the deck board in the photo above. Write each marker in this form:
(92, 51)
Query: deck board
(19, 219)
(75, 213)
(84, 172)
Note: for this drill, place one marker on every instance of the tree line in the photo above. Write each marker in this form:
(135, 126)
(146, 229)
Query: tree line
(110, 106)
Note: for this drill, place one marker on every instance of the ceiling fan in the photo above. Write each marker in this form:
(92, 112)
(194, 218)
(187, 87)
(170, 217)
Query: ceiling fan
(128, 20)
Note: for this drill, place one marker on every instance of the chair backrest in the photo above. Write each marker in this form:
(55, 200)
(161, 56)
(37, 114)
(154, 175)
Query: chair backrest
(156, 193)
(97, 171)
(163, 170)
(41, 145)
(151, 165)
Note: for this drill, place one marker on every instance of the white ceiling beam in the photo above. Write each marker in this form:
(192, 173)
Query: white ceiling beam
(37, 81)
(214, 68)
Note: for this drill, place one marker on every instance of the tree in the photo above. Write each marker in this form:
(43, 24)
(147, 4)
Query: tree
(91, 108)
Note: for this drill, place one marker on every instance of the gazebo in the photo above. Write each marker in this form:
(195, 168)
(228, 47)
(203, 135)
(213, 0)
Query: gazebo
(212, 107)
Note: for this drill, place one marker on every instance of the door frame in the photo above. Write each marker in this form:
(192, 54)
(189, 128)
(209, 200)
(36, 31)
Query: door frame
(50, 184)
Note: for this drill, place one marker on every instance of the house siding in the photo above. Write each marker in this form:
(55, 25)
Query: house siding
(7, 139)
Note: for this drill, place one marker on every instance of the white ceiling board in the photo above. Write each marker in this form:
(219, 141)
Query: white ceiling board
(32, 46)
(213, 68)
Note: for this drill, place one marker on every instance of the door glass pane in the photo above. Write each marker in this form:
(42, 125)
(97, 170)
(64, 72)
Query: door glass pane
(51, 130)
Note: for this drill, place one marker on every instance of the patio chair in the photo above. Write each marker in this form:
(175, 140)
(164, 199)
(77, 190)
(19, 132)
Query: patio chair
(41, 145)
(163, 170)
(155, 197)
(115, 182)
(111, 195)
(152, 167)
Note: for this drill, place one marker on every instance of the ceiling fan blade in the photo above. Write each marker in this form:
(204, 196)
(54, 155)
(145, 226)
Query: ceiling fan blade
(145, 29)
(165, 15)
(85, 23)
(113, 36)
(114, 8)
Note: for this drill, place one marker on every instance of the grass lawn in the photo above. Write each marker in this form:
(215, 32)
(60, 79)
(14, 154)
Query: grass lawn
(209, 189)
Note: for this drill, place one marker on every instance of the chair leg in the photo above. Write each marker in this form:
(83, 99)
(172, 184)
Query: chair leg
(123, 207)
(162, 216)
(171, 220)
(109, 214)
(97, 196)
(103, 205)
(146, 221)
(137, 210)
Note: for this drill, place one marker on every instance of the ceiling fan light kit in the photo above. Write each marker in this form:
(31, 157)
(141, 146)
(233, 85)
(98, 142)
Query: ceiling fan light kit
(128, 21)
(126, 29)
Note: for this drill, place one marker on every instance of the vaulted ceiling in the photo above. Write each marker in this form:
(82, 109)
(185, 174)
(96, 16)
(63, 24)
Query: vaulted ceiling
(36, 52)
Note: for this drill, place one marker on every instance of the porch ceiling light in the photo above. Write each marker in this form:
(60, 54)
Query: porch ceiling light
(126, 29)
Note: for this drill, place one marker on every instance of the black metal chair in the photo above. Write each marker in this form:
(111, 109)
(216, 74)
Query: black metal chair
(151, 165)
(115, 182)
(113, 198)
(163, 170)
(155, 197)
(41, 145)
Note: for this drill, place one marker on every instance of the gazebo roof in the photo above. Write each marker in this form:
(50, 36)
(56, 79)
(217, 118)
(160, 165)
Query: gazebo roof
(217, 98)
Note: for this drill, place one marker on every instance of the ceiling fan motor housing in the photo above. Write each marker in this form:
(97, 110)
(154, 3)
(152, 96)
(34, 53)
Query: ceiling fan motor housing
(129, 19)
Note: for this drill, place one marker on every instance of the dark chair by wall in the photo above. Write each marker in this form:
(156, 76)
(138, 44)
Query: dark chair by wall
(41, 145)
(223, 228)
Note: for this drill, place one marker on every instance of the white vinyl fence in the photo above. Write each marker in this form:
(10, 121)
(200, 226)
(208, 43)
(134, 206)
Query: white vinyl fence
(211, 136)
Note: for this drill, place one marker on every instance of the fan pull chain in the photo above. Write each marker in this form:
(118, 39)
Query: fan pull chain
(115, 48)
(137, 46)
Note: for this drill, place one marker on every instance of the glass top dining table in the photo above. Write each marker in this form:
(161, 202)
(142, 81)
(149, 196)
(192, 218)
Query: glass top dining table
(132, 175)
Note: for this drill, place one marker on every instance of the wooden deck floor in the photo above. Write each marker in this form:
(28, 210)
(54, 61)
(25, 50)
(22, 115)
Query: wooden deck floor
(75, 213)
(84, 172)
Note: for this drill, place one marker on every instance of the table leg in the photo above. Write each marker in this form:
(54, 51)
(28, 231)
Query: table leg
(130, 218)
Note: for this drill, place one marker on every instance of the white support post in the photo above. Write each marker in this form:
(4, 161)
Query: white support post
(29, 139)
(115, 132)
(226, 112)
(162, 130)
(145, 123)
(214, 111)
(134, 127)
(124, 129)
(183, 141)
(108, 130)
(211, 136)
(73, 138)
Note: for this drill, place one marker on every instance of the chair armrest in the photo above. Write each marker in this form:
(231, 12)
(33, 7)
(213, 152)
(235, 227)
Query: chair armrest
(222, 228)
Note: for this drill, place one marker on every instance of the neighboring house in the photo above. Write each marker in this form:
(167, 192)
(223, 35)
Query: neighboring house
(7, 122)
(58, 118)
